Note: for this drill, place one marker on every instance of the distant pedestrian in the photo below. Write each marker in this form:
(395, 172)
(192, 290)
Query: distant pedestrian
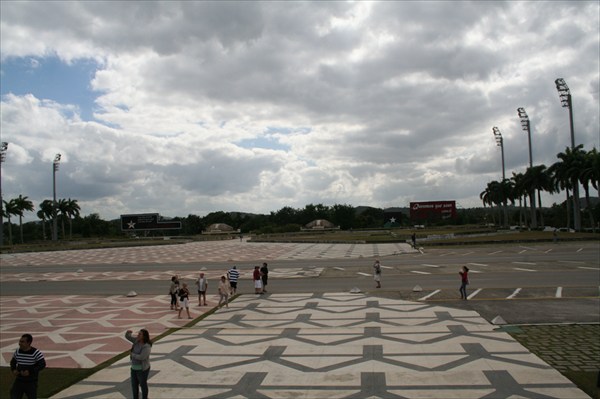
(25, 365)
(413, 238)
(184, 298)
(257, 281)
(140, 362)
(223, 292)
(264, 276)
(202, 284)
(233, 275)
(555, 235)
(377, 273)
(173, 292)
(464, 281)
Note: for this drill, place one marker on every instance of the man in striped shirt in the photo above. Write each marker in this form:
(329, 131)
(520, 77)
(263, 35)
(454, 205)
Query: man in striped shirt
(233, 274)
(25, 365)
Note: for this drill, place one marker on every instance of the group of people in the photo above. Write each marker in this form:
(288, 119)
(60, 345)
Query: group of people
(227, 287)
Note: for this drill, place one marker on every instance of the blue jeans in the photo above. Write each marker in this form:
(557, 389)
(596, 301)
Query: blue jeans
(463, 290)
(139, 379)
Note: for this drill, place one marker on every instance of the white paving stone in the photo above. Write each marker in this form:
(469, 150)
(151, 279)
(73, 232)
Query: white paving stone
(343, 346)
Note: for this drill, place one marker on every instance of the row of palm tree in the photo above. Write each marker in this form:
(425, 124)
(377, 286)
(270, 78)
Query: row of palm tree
(66, 209)
(574, 167)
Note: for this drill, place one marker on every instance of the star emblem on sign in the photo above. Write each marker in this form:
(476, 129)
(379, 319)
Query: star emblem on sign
(131, 224)
(393, 220)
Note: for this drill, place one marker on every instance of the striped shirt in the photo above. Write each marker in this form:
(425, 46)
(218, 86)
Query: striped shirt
(234, 274)
(32, 360)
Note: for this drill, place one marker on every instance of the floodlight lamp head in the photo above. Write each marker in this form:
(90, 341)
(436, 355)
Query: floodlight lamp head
(563, 92)
(522, 113)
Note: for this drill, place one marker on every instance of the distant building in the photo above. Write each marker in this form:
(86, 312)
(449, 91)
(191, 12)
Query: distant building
(220, 228)
(320, 224)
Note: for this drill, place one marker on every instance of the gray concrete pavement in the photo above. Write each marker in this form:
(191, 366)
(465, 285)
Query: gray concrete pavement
(336, 346)
(327, 342)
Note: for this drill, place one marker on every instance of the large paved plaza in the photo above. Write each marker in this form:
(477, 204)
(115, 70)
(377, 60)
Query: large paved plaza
(302, 345)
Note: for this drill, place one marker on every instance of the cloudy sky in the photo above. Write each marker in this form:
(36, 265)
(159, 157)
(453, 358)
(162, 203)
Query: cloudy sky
(191, 107)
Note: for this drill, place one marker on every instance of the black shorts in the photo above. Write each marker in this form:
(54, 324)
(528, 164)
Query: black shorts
(233, 284)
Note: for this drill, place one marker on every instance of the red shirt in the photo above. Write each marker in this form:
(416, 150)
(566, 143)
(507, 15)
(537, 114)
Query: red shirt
(256, 274)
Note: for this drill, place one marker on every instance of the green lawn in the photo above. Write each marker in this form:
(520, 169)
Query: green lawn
(51, 380)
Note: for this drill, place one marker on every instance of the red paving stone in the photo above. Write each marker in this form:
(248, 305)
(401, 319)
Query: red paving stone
(79, 331)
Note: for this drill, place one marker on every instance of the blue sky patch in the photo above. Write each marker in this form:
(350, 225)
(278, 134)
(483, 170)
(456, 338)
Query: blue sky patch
(51, 79)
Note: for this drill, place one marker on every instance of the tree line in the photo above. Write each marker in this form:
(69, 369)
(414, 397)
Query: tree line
(66, 209)
(574, 168)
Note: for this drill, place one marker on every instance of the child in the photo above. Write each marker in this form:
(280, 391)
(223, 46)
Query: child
(464, 274)
(184, 295)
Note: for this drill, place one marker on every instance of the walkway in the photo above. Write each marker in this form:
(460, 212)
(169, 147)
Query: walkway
(336, 346)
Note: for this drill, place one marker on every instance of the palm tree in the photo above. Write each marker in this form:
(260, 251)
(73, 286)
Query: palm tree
(529, 185)
(570, 166)
(68, 209)
(10, 208)
(45, 213)
(561, 181)
(22, 204)
(588, 175)
(520, 192)
(486, 197)
(505, 195)
(496, 193)
(540, 180)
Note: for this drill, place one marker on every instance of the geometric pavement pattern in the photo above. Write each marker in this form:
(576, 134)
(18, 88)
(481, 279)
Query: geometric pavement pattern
(79, 331)
(209, 251)
(296, 272)
(335, 346)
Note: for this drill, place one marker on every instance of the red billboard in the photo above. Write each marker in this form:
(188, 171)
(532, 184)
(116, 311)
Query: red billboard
(432, 210)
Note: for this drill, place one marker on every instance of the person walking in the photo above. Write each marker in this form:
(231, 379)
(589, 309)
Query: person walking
(202, 284)
(264, 276)
(223, 292)
(233, 274)
(25, 365)
(173, 292)
(257, 281)
(464, 281)
(184, 298)
(140, 362)
(377, 273)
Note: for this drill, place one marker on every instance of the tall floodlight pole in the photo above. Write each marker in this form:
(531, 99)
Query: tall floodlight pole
(54, 203)
(565, 99)
(527, 127)
(500, 143)
(3, 148)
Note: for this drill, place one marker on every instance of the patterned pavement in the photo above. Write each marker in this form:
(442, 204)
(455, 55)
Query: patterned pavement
(205, 251)
(336, 346)
(77, 331)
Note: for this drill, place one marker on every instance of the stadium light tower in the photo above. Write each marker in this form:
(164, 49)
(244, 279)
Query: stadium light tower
(3, 148)
(54, 204)
(565, 99)
(500, 143)
(525, 125)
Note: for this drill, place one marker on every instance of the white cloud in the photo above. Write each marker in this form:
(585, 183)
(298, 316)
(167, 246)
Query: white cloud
(362, 103)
